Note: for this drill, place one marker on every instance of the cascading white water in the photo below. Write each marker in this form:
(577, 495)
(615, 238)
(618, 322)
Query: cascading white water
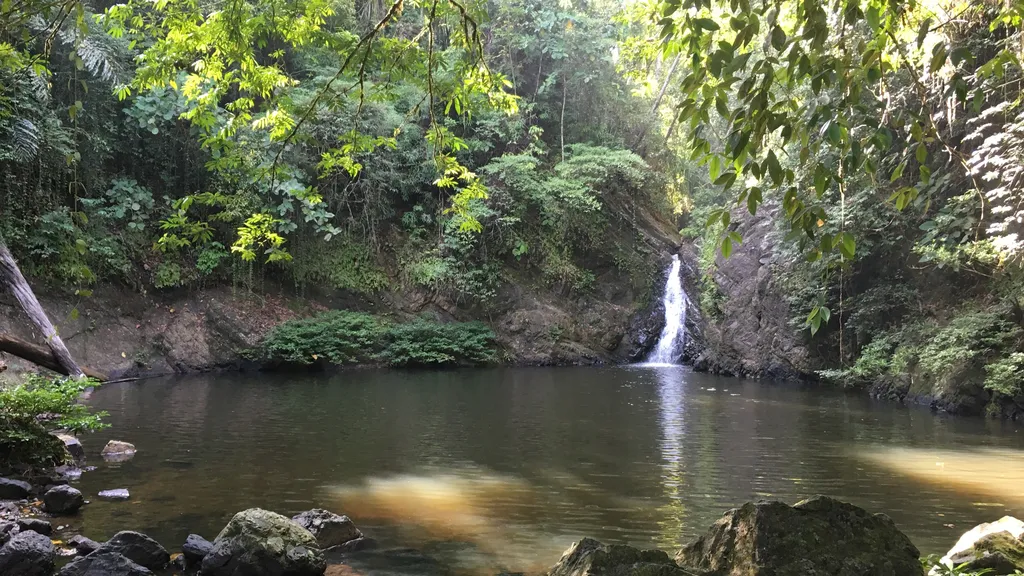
(673, 336)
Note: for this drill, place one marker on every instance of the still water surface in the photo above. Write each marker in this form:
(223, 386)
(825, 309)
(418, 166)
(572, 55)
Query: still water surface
(499, 470)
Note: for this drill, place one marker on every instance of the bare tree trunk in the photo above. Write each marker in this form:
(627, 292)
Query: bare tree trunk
(561, 119)
(10, 276)
(39, 355)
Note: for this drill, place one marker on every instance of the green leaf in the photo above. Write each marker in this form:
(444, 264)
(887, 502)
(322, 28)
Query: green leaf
(898, 172)
(778, 38)
(922, 31)
(921, 153)
(938, 57)
(726, 247)
(847, 245)
(707, 24)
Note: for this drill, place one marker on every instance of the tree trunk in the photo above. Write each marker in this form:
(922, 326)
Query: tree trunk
(10, 276)
(39, 355)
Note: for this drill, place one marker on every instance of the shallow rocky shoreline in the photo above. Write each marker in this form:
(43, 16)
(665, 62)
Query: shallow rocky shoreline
(819, 536)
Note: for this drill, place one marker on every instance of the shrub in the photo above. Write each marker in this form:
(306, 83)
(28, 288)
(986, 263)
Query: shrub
(335, 337)
(341, 337)
(30, 411)
(425, 343)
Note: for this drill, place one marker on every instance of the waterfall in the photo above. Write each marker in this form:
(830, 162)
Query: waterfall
(673, 336)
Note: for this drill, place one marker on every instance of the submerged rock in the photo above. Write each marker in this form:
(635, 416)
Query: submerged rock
(114, 494)
(28, 554)
(995, 546)
(588, 557)
(328, 528)
(357, 545)
(63, 499)
(817, 537)
(260, 543)
(138, 548)
(14, 489)
(104, 563)
(195, 549)
(36, 525)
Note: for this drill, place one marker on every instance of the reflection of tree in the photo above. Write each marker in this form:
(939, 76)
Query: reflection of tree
(672, 405)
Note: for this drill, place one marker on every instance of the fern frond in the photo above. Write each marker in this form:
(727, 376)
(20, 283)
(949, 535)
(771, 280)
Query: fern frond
(25, 140)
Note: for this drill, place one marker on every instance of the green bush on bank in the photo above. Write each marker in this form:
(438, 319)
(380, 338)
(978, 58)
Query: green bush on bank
(30, 411)
(342, 337)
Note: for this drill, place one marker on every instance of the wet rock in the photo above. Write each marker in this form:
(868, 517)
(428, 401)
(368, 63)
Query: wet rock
(260, 543)
(14, 489)
(195, 549)
(74, 447)
(114, 494)
(589, 557)
(138, 548)
(359, 544)
(328, 528)
(62, 500)
(104, 563)
(178, 562)
(36, 525)
(118, 451)
(994, 546)
(27, 554)
(7, 531)
(817, 537)
(83, 545)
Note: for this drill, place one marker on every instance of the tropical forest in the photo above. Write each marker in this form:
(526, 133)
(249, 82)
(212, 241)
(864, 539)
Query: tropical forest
(511, 287)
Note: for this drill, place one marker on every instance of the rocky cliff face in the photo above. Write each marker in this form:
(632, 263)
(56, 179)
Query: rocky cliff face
(752, 335)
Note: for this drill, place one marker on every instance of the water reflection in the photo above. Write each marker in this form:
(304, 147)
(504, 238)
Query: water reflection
(671, 401)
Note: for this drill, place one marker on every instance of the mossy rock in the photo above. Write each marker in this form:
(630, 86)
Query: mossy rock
(260, 543)
(1000, 553)
(817, 537)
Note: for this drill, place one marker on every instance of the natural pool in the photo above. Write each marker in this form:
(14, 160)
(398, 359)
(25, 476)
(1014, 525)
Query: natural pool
(486, 471)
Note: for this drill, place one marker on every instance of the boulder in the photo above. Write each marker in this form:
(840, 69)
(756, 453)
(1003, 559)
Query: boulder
(28, 554)
(260, 543)
(816, 537)
(138, 548)
(7, 531)
(14, 489)
(328, 528)
(36, 525)
(995, 546)
(104, 563)
(83, 545)
(195, 549)
(117, 448)
(62, 500)
(74, 447)
(114, 494)
(589, 557)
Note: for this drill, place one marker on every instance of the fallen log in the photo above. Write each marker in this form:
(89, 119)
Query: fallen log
(41, 356)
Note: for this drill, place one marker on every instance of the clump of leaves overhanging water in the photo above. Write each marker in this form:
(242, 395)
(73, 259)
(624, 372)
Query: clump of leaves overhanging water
(31, 410)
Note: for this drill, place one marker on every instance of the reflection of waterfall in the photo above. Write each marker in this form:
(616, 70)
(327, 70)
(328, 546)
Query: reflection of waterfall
(673, 336)
(670, 395)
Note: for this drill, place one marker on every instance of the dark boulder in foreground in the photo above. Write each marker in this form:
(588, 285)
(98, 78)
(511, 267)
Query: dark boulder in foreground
(36, 525)
(138, 548)
(589, 557)
(104, 563)
(260, 543)
(63, 499)
(328, 528)
(27, 554)
(817, 537)
(996, 547)
(14, 489)
(195, 549)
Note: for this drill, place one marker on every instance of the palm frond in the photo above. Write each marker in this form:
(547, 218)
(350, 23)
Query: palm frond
(25, 140)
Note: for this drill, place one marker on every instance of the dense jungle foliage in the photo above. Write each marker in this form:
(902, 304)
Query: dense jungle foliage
(363, 145)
